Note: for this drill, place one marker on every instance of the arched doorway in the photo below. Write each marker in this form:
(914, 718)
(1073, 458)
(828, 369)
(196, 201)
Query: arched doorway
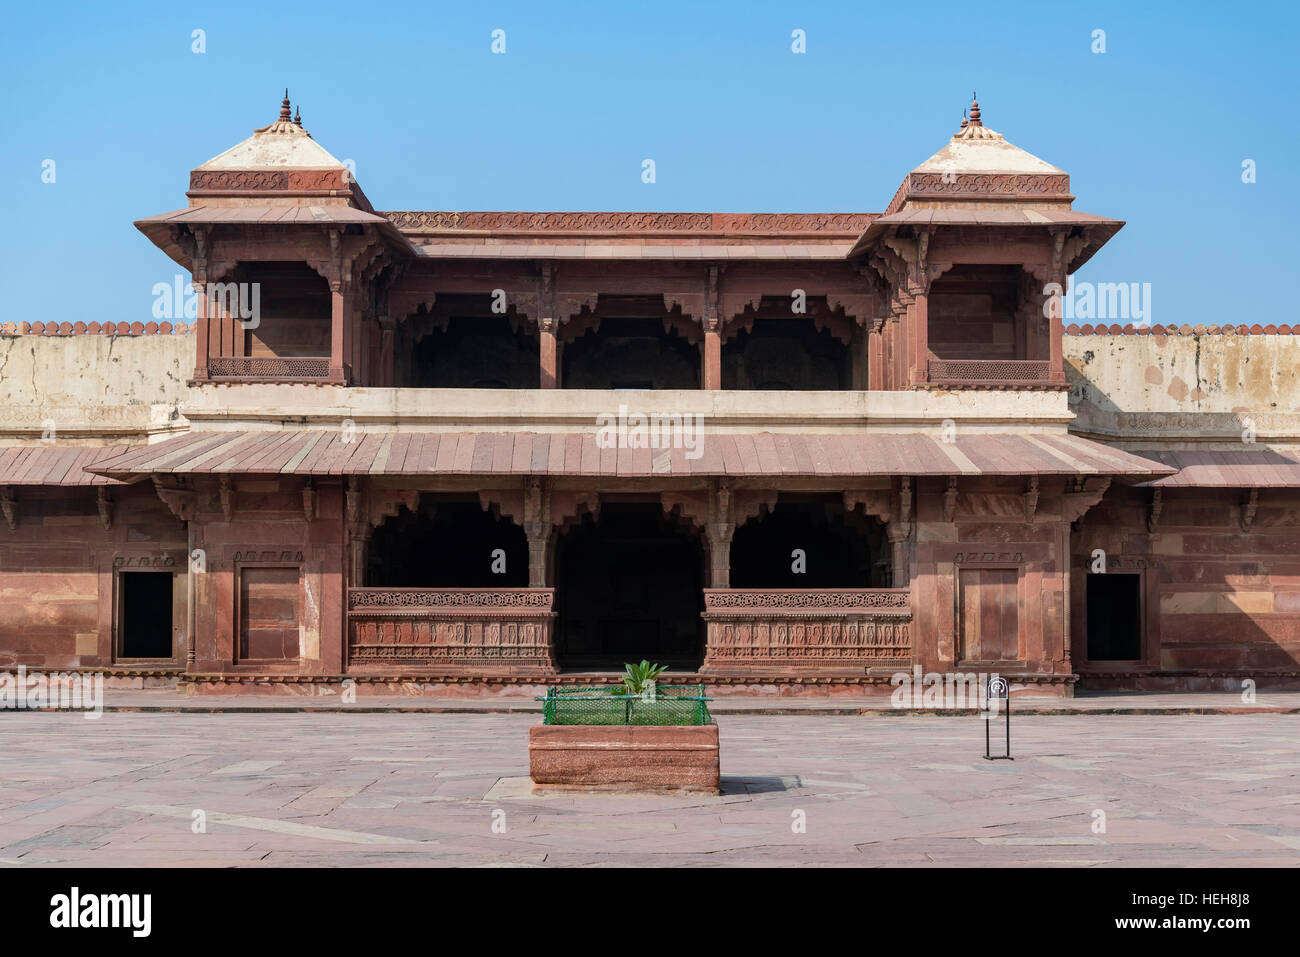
(629, 585)
(810, 542)
(449, 541)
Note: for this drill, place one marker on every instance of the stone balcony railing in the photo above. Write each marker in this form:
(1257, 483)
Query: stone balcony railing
(452, 630)
(268, 367)
(993, 374)
(806, 630)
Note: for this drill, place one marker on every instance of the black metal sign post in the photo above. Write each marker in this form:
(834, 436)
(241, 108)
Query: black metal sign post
(998, 690)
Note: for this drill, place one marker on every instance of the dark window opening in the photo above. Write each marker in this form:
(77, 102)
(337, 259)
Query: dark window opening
(972, 313)
(785, 354)
(293, 303)
(447, 543)
(834, 549)
(1114, 617)
(477, 352)
(629, 586)
(630, 354)
(146, 621)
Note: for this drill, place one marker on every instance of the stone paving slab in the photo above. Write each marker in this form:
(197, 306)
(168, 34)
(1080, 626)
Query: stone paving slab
(1145, 702)
(398, 789)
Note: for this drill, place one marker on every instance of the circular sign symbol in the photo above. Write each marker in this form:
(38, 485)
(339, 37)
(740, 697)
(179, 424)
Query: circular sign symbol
(998, 687)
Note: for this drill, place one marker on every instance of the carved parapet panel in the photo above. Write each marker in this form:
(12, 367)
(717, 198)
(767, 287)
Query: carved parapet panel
(839, 629)
(470, 629)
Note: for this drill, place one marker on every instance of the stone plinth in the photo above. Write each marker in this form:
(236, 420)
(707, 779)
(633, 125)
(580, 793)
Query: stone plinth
(624, 757)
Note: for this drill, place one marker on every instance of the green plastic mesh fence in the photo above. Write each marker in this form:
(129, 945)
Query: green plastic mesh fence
(610, 704)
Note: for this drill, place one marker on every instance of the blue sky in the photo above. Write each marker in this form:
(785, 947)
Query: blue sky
(1154, 131)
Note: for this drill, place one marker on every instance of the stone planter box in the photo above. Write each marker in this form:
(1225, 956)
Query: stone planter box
(624, 757)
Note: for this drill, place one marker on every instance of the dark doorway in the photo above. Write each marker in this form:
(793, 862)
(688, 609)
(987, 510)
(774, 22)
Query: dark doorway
(785, 354)
(810, 544)
(1114, 618)
(448, 542)
(629, 586)
(630, 354)
(480, 352)
(146, 617)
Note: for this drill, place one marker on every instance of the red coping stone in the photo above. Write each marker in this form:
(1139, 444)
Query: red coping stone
(137, 328)
(1072, 329)
(1212, 330)
(1130, 329)
(1284, 330)
(1270, 330)
(79, 327)
(1144, 330)
(65, 328)
(1086, 330)
(165, 327)
(1256, 330)
(151, 327)
(1116, 329)
(38, 327)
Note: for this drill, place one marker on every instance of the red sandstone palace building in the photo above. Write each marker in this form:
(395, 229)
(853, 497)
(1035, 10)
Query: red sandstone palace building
(486, 452)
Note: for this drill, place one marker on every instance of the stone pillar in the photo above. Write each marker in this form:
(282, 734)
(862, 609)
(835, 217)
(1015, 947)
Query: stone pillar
(539, 553)
(875, 355)
(712, 353)
(718, 535)
(387, 352)
(919, 340)
(202, 329)
(548, 353)
(337, 340)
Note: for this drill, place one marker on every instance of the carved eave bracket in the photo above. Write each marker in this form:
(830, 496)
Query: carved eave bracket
(104, 504)
(309, 500)
(226, 492)
(1030, 498)
(182, 500)
(386, 503)
(1154, 509)
(1249, 503)
(1078, 498)
(950, 500)
(9, 505)
(877, 502)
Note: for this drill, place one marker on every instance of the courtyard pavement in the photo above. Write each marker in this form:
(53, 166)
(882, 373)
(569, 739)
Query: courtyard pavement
(395, 789)
(1141, 702)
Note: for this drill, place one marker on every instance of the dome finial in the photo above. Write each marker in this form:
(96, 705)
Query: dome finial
(975, 110)
(285, 113)
(297, 116)
(963, 118)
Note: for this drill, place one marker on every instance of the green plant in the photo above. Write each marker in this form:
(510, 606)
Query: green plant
(637, 678)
